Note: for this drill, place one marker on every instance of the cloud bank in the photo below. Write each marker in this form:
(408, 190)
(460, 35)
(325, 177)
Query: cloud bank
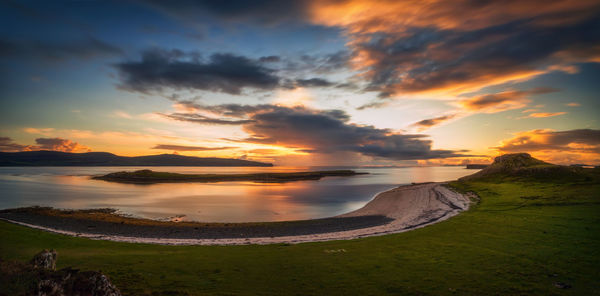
(160, 69)
(317, 131)
(424, 46)
(421, 46)
(175, 69)
(53, 144)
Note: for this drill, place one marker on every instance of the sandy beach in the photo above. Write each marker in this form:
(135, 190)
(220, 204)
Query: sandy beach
(397, 210)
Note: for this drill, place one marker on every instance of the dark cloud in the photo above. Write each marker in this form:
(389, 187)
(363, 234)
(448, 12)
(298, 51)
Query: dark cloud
(59, 144)
(161, 69)
(188, 148)
(197, 118)
(318, 63)
(88, 48)
(8, 145)
(375, 104)
(427, 123)
(314, 82)
(323, 131)
(175, 69)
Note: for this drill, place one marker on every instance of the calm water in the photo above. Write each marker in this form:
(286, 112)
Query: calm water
(71, 187)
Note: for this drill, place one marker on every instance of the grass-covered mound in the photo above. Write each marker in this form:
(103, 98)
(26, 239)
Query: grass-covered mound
(521, 166)
(150, 177)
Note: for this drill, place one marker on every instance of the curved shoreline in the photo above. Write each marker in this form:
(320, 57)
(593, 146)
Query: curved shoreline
(398, 210)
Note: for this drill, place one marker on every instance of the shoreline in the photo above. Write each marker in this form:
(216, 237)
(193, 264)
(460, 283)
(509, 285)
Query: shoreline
(397, 210)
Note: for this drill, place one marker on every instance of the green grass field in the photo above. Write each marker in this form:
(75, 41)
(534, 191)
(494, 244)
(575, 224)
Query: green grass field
(521, 238)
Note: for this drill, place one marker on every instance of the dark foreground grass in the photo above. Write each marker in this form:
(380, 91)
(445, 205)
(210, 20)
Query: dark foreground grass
(522, 238)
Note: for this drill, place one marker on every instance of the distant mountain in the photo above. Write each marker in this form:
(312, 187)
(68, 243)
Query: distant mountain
(55, 158)
(524, 166)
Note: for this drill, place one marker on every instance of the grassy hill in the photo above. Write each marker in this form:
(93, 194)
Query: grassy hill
(521, 166)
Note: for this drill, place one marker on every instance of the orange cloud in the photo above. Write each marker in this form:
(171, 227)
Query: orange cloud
(502, 101)
(566, 147)
(492, 103)
(59, 144)
(456, 161)
(429, 46)
(54, 144)
(8, 145)
(362, 16)
(40, 131)
(545, 114)
(430, 122)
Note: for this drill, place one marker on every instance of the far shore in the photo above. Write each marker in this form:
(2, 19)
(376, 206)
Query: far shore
(397, 210)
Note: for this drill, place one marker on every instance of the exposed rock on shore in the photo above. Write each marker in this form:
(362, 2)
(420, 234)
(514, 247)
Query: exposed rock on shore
(42, 279)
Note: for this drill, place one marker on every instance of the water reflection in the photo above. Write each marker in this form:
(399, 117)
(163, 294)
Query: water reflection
(71, 187)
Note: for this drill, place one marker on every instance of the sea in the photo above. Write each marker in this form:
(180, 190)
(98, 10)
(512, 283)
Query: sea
(73, 188)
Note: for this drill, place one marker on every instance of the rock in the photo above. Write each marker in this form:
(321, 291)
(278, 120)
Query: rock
(100, 285)
(561, 285)
(45, 259)
(68, 281)
(49, 288)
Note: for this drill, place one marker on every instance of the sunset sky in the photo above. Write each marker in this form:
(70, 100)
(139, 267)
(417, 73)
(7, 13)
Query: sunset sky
(304, 82)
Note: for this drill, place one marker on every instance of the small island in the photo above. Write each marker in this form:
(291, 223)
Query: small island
(152, 177)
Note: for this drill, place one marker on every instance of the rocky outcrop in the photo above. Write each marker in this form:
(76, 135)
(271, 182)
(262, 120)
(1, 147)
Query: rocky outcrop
(45, 259)
(41, 278)
(73, 282)
(523, 166)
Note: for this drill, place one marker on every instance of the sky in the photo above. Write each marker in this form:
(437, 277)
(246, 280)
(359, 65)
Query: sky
(329, 82)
